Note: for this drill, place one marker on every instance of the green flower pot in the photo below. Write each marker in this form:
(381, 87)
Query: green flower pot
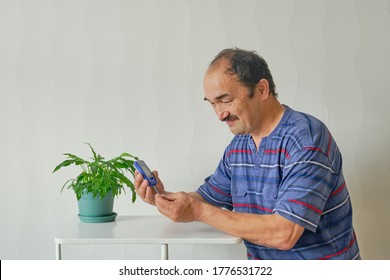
(96, 210)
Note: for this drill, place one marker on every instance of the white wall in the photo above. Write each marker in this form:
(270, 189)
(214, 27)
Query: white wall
(127, 76)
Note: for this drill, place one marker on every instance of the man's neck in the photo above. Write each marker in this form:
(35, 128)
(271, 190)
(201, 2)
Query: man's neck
(271, 121)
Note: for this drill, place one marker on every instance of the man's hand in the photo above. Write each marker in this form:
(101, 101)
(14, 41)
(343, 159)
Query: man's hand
(143, 190)
(179, 207)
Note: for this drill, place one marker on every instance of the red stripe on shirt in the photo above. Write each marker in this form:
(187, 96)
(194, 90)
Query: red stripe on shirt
(218, 190)
(329, 142)
(239, 151)
(312, 149)
(252, 206)
(306, 205)
(283, 151)
(338, 190)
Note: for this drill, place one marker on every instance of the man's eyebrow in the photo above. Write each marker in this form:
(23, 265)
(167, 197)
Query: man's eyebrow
(219, 97)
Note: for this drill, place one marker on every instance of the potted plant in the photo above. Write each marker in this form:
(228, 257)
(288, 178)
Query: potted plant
(99, 182)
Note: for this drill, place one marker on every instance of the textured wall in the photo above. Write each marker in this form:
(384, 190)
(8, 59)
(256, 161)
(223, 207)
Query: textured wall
(127, 76)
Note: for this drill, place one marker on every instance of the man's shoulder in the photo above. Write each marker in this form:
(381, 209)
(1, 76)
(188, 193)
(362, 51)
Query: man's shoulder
(303, 126)
(304, 132)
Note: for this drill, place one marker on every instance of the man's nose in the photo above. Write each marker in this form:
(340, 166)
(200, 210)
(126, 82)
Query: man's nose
(222, 115)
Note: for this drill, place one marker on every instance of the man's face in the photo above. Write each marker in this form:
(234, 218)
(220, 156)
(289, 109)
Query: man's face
(230, 101)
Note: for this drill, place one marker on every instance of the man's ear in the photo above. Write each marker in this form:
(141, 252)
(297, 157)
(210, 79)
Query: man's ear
(262, 88)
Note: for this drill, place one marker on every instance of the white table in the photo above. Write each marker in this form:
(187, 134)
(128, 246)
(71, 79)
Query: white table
(141, 230)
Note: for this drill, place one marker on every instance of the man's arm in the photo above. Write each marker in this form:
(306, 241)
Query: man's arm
(268, 230)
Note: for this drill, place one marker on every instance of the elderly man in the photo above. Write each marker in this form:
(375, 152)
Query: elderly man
(280, 178)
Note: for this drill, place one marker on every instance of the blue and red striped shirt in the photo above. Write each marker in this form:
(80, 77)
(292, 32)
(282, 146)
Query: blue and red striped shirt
(297, 173)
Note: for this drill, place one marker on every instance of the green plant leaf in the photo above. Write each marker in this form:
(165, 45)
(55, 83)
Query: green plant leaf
(93, 152)
(66, 183)
(77, 160)
(129, 155)
(63, 164)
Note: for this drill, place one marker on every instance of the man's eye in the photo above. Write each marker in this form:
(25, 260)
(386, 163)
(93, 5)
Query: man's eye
(227, 101)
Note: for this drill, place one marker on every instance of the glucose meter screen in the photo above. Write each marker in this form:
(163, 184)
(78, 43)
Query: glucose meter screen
(145, 168)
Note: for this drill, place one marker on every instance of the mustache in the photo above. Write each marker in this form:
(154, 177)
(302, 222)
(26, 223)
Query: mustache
(230, 118)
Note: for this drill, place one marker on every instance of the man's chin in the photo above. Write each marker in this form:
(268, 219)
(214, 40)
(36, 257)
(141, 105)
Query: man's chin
(236, 131)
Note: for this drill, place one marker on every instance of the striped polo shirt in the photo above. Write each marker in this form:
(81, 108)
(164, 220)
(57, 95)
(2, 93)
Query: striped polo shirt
(297, 173)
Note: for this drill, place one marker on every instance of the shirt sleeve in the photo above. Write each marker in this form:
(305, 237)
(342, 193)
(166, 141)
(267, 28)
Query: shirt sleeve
(216, 189)
(308, 180)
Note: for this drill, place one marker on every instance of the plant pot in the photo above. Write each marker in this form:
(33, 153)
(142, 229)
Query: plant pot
(96, 210)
